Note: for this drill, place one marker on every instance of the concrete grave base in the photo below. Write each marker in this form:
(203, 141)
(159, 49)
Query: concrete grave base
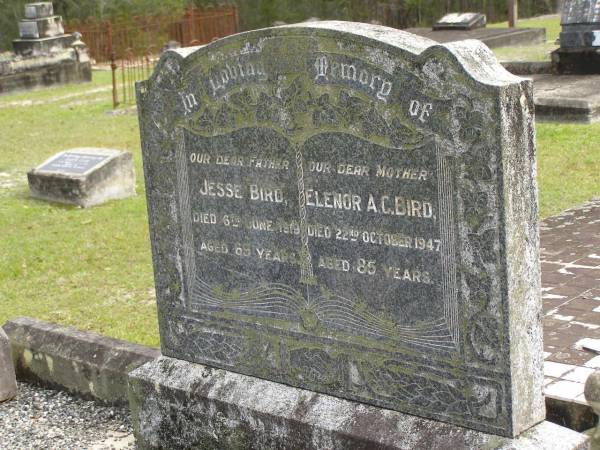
(82, 363)
(111, 179)
(567, 98)
(42, 46)
(177, 404)
(42, 71)
(492, 37)
(8, 382)
(584, 61)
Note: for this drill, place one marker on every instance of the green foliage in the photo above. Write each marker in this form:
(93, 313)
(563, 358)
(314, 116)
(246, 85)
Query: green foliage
(12, 11)
(262, 13)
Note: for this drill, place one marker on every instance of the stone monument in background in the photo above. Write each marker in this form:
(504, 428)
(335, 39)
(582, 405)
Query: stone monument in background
(43, 53)
(343, 221)
(579, 51)
(40, 31)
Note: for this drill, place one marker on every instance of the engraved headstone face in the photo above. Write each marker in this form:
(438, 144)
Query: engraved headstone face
(580, 24)
(350, 209)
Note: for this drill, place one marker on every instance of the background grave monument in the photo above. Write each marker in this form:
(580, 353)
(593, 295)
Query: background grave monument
(43, 53)
(461, 21)
(579, 51)
(40, 31)
(84, 177)
(343, 219)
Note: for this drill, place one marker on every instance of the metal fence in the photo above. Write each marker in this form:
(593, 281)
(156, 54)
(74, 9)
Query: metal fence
(105, 38)
(133, 67)
(132, 47)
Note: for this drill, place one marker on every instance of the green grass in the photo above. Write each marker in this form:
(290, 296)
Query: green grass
(91, 268)
(568, 158)
(539, 52)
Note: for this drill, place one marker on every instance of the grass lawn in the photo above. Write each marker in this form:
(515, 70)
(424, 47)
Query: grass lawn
(91, 268)
(539, 52)
(85, 267)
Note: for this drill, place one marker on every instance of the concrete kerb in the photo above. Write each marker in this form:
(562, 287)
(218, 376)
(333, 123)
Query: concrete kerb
(8, 384)
(82, 363)
(97, 367)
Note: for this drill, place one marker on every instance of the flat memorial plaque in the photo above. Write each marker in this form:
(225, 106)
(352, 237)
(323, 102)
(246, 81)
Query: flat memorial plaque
(73, 163)
(350, 209)
(461, 21)
(84, 176)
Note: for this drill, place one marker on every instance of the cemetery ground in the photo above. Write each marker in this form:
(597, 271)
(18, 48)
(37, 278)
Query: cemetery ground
(91, 268)
(538, 52)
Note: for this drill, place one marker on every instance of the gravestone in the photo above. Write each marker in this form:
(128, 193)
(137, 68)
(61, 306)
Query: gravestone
(461, 21)
(43, 54)
(84, 177)
(8, 381)
(341, 210)
(38, 10)
(579, 51)
(41, 31)
(580, 23)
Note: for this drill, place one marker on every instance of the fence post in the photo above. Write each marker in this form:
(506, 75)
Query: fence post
(113, 68)
(109, 40)
(236, 19)
(513, 13)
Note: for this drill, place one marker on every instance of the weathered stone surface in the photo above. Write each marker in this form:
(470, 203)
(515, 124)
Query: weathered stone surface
(580, 23)
(567, 61)
(44, 46)
(350, 209)
(461, 21)
(567, 98)
(176, 404)
(571, 414)
(41, 71)
(79, 362)
(579, 51)
(592, 396)
(492, 37)
(41, 28)
(43, 56)
(8, 382)
(38, 10)
(84, 177)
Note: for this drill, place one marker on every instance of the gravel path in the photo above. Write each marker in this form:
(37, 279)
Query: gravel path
(46, 419)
